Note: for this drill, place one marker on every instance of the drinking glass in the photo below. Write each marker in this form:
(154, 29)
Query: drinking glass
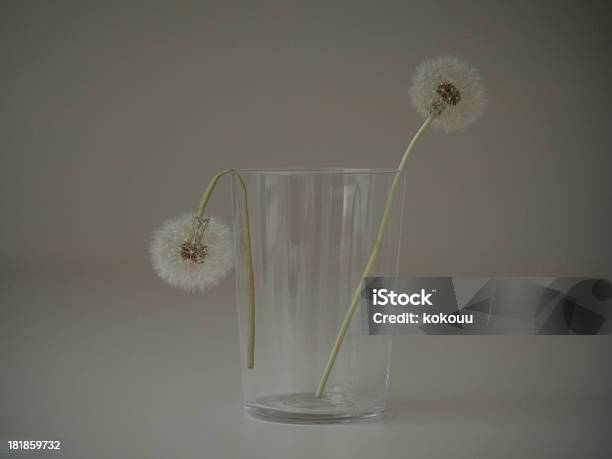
(312, 232)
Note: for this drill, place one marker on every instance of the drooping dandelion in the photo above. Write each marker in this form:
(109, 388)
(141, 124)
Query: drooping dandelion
(449, 94)
(194, 252)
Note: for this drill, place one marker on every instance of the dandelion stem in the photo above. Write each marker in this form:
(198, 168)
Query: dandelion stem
(249, 252)
(368, 269)
(209, 191)
(251, 280)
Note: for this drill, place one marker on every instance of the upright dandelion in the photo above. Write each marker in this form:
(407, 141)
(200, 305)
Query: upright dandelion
(448, 90)
(449, 94)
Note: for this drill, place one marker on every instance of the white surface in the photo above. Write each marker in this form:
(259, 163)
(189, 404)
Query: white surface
(115, 368)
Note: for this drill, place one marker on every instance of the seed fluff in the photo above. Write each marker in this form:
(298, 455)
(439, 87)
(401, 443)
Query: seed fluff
(450, 90)
(192, 253)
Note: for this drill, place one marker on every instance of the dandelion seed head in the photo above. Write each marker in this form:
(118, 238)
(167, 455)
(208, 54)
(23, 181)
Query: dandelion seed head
(192, 262)
(450, 90)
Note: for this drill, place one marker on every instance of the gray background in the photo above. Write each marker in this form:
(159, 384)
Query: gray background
(114, 115)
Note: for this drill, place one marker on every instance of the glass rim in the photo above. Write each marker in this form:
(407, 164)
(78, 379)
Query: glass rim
(319, 170)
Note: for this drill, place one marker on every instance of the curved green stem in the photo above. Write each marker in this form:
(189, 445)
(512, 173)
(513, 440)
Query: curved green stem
(251, 277)
(368, 269)
(209, 191)
(249, 252)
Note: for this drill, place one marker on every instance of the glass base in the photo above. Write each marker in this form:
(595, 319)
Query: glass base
(304, 408)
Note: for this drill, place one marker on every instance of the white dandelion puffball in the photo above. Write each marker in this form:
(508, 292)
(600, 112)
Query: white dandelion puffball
(178, 268)
(449, 89)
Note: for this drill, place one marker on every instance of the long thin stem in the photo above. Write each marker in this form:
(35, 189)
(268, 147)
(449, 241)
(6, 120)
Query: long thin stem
(368, 269)
(249, 252)
(251, 280)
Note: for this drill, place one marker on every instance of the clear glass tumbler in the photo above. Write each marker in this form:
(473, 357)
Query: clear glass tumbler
(312, 233)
